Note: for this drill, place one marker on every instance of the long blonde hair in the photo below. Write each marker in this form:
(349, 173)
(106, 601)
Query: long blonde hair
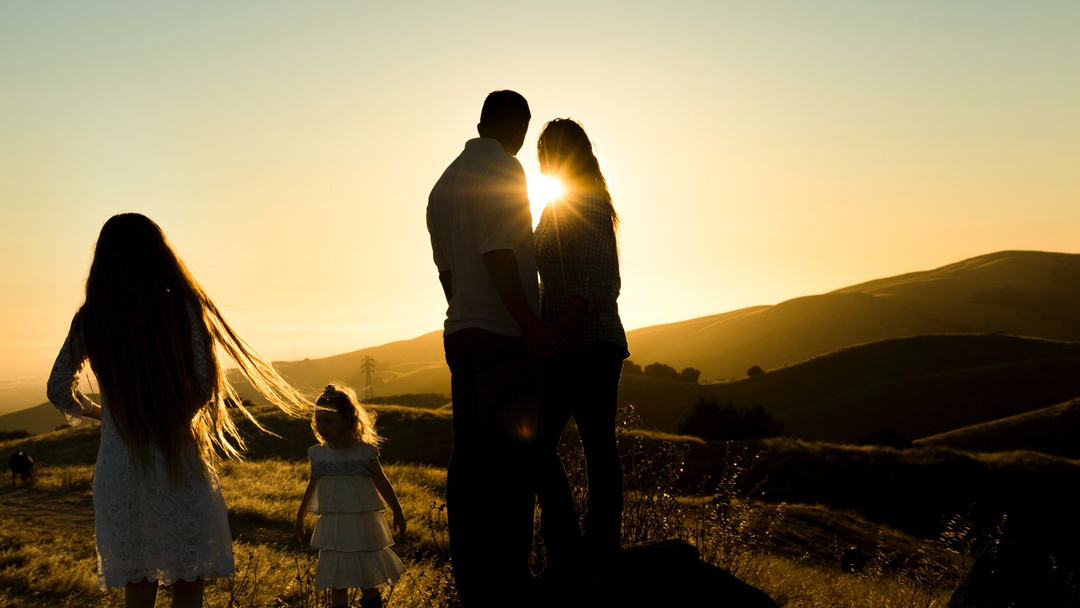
(139, 340)
(359, 421)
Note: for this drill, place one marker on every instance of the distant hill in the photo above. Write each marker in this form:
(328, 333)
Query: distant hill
(1023, 293)
(401, 367)
(1050, 430)
(38, 419)
(918, 386)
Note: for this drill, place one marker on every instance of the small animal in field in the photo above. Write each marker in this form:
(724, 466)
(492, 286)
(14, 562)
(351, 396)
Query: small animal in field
(20, 464)
(853, 560)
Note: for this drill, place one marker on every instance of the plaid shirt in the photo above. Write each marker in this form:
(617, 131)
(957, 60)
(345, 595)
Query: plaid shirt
(576, 254)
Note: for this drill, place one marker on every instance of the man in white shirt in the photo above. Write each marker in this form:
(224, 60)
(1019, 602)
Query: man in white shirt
(481, 236)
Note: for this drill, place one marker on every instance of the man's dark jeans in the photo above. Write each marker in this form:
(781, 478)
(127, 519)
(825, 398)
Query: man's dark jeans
(490, 486)
(583, 384)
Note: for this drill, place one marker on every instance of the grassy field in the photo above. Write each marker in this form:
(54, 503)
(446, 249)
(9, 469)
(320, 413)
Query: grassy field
(790, 550)
(47, 554)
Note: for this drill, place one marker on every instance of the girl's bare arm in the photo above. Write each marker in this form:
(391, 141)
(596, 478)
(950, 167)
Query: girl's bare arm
(382, 484)
(299, 529)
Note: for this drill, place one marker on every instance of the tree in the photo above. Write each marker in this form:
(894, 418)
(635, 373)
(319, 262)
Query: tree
(660, 370)
(629, 367)
(711, 420)
(690, 375)
(754, 371)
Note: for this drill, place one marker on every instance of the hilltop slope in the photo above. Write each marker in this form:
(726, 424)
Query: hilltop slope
(1050, 430)
(1024, 293)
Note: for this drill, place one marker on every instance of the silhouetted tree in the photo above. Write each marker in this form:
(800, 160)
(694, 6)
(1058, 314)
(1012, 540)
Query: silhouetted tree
(753, 371)
(629, 367)
(711, 420)
(690, 375)
(661, 371)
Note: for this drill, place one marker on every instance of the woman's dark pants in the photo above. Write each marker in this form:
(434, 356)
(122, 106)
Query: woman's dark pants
(583, 384)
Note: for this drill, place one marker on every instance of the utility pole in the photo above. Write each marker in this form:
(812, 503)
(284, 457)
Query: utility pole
(367, 367)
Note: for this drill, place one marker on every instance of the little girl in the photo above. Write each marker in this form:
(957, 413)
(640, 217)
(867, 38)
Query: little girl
(350, 491)
(151, 336)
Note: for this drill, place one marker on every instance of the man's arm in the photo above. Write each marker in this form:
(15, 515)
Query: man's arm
(447, 285)
(502, 269)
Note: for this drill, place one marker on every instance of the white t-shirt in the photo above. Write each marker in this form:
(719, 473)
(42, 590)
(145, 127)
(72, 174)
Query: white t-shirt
(481, 204)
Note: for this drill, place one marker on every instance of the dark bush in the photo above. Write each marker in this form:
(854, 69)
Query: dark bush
(690, 375)
(16, 434)
(754, 371)
(629, 367)
(711, 420)
(659, 370)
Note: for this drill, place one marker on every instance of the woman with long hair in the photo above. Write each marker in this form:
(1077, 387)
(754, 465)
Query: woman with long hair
(578, 261)
(151, 336)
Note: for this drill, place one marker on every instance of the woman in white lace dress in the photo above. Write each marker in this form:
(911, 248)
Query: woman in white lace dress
(150, 334)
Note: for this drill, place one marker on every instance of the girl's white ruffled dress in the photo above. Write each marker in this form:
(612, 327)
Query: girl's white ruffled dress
(352, 535)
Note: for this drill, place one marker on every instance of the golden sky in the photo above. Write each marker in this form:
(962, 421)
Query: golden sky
(756, 151)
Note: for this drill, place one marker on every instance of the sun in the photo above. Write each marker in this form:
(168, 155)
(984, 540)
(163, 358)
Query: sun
(541, 190)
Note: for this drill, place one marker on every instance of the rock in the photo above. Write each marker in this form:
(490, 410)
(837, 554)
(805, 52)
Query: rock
(666, 573)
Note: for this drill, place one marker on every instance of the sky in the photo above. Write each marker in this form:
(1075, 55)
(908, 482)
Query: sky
(756, 151)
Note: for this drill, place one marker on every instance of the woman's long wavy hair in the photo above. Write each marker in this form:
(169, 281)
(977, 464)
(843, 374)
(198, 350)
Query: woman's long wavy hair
(566, 154)
(359, 420)
(138, 336)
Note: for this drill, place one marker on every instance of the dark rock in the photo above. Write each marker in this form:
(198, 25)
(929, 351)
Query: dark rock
(664, 573)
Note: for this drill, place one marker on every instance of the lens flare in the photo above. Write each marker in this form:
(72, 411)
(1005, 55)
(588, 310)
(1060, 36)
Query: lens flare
(541, 190)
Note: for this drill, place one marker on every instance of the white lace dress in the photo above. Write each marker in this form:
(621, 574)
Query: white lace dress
(352, 535)
(146, 527)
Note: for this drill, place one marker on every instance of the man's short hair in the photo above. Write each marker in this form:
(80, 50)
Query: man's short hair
(504, 108)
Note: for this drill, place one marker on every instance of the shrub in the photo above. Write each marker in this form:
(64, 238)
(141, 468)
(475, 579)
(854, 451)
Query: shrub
(711, 420)
(754, 371)
(16, 434)
(659, 370)
(690, 375)
(629, 367)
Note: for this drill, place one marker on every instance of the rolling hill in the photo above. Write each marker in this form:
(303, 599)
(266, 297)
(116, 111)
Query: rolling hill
(1023, 293)
(1050, 430)
(919, 386)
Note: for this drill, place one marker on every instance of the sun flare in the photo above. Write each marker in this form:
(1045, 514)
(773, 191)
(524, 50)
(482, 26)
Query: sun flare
(541, 190)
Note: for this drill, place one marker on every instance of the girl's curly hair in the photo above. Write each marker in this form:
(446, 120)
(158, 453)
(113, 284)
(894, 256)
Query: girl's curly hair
(342, 399)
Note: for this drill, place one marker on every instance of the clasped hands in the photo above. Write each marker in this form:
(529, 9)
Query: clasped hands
(543, 339)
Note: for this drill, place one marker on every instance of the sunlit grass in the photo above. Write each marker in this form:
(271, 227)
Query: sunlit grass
(788, 551)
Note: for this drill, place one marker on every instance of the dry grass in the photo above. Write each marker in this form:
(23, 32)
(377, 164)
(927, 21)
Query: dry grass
(47, 555)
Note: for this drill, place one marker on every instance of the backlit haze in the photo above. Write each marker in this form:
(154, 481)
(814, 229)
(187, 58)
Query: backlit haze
(756, 151)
